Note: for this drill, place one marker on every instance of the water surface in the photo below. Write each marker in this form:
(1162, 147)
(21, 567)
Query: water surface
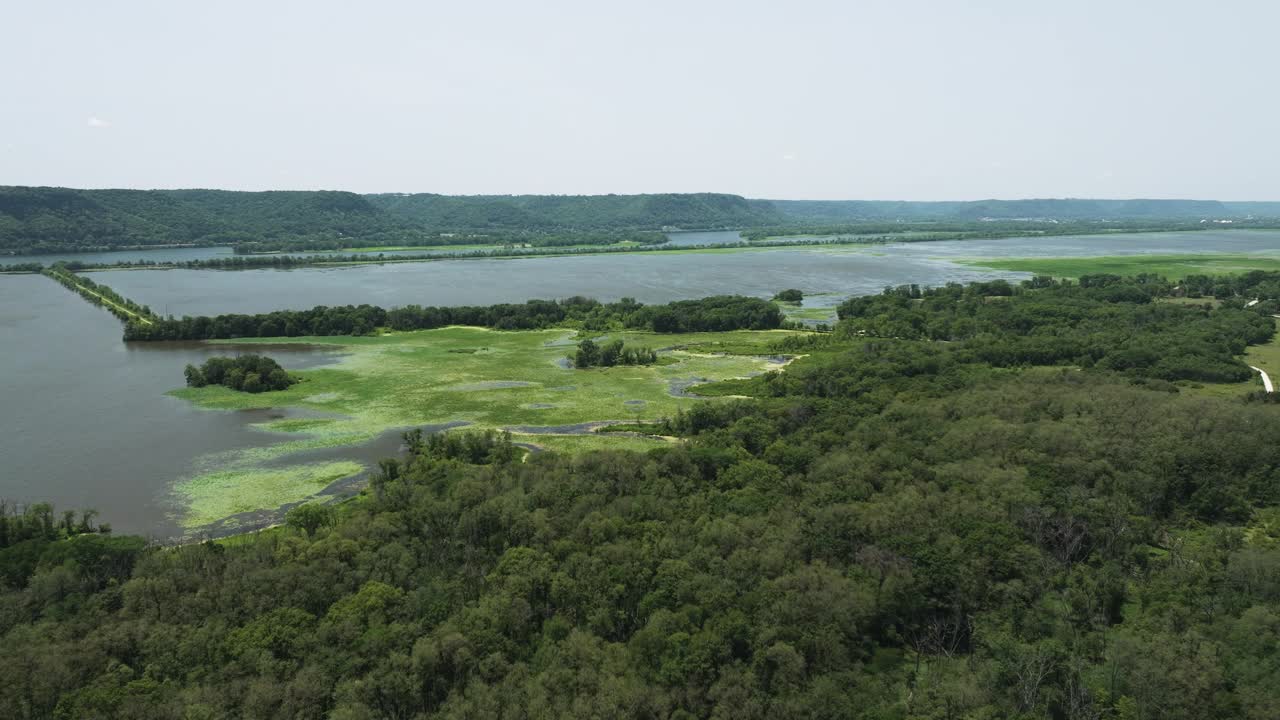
(84, 421)
(648, 277)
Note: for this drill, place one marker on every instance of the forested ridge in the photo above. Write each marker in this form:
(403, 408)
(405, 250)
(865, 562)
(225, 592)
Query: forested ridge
(548, 212)
(47, 219)
(43, 219)
(974, 501)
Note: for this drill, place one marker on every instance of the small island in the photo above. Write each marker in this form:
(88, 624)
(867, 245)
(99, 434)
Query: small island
(245, 373)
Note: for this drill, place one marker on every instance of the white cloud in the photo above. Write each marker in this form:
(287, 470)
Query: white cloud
(97, 122)
(789, 156)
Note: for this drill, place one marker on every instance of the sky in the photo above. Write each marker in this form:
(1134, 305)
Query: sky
(861, 99)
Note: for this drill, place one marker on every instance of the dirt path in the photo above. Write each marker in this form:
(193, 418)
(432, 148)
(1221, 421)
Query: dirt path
(108, 301)
(1266, 379)
(64, 277)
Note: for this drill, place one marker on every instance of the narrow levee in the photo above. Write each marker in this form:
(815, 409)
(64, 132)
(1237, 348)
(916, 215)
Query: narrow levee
(123, 308)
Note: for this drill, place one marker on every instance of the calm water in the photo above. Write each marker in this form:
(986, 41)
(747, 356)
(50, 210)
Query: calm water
(186, 254)
(650, 278)
(206, 253)
(84, 421)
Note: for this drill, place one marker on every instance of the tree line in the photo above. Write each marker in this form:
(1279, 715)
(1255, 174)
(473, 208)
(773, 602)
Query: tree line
(501, 240)
(725, 312)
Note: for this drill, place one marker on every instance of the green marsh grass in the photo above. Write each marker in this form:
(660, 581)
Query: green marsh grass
(1170, 266)
(487, 378)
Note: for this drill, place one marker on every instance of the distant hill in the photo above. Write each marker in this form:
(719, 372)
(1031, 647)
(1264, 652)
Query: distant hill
(579, 212)
(289, 213)
(64, 219)
(42, 218)
(37, 217)
(1056, 209)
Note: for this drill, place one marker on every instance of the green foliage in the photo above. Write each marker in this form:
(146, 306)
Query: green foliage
(617, 352)
(29, 540)
(42, 219)
(474, 447)
(247, 373)
(1103, 321)
(715, 314)
(916, 524)
(309, 517)
(557, 212)
(1014, 210)
(123, 308)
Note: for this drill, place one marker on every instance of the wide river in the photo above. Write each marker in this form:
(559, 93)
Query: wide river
(85, 421)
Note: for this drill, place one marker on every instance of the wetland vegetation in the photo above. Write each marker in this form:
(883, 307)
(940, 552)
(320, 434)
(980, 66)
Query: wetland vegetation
(1166, 265)
(483, 379)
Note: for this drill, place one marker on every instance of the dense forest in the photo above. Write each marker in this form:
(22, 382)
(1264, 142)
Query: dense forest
(1103, 320)
(550, 212)
(44, 219)
(36, 219)
(723, 312)
(922, 517)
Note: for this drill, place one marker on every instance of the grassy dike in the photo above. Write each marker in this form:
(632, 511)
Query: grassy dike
(516, 381)
(123, 308)
(1171, 266)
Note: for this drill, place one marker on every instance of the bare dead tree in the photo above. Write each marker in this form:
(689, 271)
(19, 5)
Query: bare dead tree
(1031, 667)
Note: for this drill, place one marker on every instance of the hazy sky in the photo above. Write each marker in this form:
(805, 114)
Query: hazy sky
(909, 99)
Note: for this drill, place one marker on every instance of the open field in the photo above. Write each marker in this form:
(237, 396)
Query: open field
(1171, 266)
(486, 379)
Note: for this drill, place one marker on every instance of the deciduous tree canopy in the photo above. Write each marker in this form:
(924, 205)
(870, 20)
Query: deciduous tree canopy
(919, 519)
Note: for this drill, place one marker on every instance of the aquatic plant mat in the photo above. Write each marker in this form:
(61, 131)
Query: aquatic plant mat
(449, 377)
